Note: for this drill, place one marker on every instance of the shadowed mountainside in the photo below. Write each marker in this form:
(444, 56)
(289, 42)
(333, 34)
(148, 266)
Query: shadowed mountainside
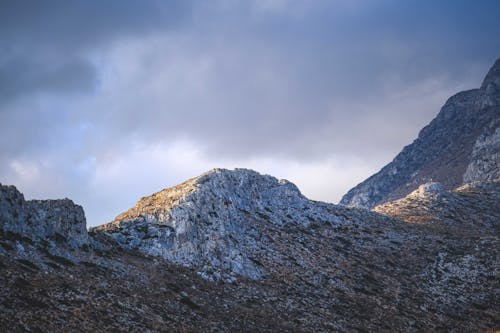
(460, 145)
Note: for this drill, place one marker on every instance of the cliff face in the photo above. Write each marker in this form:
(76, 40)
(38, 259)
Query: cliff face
(58, 221)
(485, 159)
(460, 144)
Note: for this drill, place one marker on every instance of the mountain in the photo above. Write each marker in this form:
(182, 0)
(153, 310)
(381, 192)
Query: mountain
(462, 144)
(223, 223)
(234, 250)
(238, 251)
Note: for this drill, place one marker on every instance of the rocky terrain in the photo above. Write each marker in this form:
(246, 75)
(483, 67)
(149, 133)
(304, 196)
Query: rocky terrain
(474, 206)
(219, 222)
(238, 251)
(40, 229)
(271, 261)
(460, 145)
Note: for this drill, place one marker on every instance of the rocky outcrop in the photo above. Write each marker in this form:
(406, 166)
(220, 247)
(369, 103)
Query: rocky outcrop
(471, 206)
(459, 144)
(60, 222)
(485, 160)
(216, 222)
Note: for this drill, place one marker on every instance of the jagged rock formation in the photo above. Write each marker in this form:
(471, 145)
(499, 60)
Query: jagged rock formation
(215, 222)
(460, 144)
(485, 160)
(58, 221)
(320, 267)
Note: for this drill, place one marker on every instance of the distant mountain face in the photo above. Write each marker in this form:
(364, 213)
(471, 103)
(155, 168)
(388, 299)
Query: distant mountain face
(460, 145)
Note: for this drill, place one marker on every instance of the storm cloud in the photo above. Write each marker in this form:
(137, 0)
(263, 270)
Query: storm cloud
(105, 102)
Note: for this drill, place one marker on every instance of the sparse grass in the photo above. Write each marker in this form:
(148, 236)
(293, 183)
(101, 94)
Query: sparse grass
(28, 264)
(60, 260)
(7, 246)
(264, 216)
(8, 235)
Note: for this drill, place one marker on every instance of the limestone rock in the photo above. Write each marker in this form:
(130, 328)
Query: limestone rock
(214, 222)
(60, 221)
(434, 268)
(428, 263)
(485, 161)
(470, 206)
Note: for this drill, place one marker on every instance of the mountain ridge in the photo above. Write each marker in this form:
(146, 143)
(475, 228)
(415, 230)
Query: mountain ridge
(443, 149)
(333, 269)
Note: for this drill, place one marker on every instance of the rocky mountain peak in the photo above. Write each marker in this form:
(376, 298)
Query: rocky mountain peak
(491, 83)
(233, 187)
(215, 222)
(459, 145)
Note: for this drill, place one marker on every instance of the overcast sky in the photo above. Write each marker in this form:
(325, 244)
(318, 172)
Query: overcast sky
(108, 101)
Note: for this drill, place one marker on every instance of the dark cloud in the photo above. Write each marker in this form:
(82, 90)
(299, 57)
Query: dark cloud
(69, 24)
(89, 89)
(46, 44)
(23, 75)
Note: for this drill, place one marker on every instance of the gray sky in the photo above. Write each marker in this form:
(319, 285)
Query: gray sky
(105, 102)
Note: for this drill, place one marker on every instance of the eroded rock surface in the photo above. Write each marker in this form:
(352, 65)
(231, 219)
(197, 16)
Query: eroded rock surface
(216, 222)
(58, 221)
(485, 160)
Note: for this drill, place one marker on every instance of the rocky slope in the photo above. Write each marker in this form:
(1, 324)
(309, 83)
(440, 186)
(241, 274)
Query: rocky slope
(460, 145)
(471, 206)
(262, 257)
(238, 251)
(485, 158)
(217, 222)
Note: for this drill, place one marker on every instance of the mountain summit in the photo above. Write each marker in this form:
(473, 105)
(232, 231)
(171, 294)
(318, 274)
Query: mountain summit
(216, 222)
(462, 144)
